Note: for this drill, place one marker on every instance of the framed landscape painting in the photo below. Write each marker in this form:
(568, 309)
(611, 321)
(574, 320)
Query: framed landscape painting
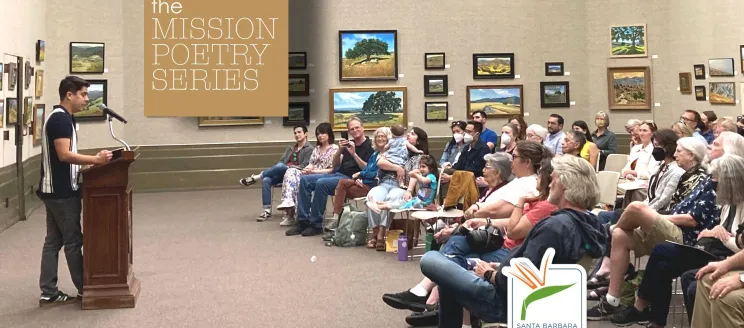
(230, 120)
(495, 100)
(436, 111)
(493, 66)
(685, 82)
(297, 60)
(553, 69)
(39, 83)
(376, 106)
(299, 114)
(87, 57)
(11, 108)
(629, 87)
(721, 66)
(40, 50)
(628, 41)
(38, 123)
(722, 93)
(700, 93)
(699, 71)
(97, 95)
(434, 60)
(299, 85)
(554, 94)
(368, 55)
(28, 111)
(435, 85)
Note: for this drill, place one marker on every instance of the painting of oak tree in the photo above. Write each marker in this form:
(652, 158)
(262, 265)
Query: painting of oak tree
(368, 56)
(722, 93)
(628, 41)
(376, 108)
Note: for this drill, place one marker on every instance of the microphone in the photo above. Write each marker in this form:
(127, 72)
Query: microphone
(112, 113)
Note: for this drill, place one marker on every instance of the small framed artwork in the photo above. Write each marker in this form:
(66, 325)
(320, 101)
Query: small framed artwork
(39, 84)
(12, 76)
(87, 57)
(700, 93)
(699, 71)
(493, 66)
(741, 57)
(721, 67)
(97, 95)
(685, 82)
(554, 94)
(495, 100)
(628, 41)
(40, 51)
(28, 111)
(299, 85)
(722, 93)
(375, 106)
(435, 111)
(434, 60)
(435, 85)
(297, 60)
(2, 70)
(554, 69)
(28, 71)
(230, 121)
(299, 114)
(629, 87)
(11, 108)
(368, 55)
(2, 111)
(39, 117)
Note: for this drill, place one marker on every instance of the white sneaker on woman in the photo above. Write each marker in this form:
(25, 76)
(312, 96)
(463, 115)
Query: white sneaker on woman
(287, 221)
(286, 204)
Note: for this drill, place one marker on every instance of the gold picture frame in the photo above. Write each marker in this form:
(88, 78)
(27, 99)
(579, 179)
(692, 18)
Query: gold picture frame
(685, 82)
(390, 109)
(39, 83)
(230, 120)
(629, 88)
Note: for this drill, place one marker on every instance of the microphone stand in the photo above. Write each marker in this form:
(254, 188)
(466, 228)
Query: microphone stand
(111, 128)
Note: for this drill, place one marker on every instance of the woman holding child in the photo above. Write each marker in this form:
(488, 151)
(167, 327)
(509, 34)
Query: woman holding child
(388, 188)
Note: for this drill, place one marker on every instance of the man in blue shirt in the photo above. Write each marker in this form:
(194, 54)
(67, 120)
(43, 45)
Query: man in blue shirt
(556, 135)
(488, 136)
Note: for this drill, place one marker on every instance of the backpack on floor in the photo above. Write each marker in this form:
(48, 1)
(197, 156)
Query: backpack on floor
(352, 222)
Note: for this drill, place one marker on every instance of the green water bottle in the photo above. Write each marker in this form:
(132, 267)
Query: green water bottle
(429, 240)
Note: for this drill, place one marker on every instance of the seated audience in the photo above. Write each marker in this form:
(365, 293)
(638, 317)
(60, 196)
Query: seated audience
(707, 125)
(321, 162)
(518, 120)
(632, 128)
(573, 142)
(389, 189)
(668, 260)
(488, 136)
(694, 121)
(682, 130)
(315, 189)
(295, 156)
(509, 133)
(422, 187)
(536, 132)
(725, 124)
(605, 139)
(720, 298)
(555, 137)
(640, 228)
(589, 151)
(471, 157)
(641, 163)
(572, 232)
(397, 150)
(454, 147)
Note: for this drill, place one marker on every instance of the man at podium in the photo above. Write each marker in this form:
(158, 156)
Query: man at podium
(60, 193)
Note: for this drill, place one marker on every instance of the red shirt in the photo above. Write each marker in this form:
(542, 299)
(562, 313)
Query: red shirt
(534, 212)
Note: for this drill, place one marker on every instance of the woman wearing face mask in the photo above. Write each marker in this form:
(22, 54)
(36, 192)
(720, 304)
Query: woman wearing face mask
(454, 147)
(604, 138)
(521, 126)
(589, 151)
(509, 140)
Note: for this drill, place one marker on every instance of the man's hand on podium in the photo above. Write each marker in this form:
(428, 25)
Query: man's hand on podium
(104, 156)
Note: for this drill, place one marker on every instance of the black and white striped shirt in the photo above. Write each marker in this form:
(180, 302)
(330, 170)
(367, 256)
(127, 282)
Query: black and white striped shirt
(58, 179)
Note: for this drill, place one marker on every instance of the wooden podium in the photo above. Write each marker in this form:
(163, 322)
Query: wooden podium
(108, 280)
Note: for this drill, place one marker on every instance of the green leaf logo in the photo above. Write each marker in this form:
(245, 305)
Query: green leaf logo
(540, 294)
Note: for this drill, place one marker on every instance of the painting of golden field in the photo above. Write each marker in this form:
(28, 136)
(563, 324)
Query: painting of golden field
(497, 101)
(86, 57)
(368, 55)
(722, 93)
(494, 66)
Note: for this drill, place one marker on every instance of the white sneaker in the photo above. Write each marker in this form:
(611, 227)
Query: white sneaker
(287, 204)
(264, 216)
(287, 221)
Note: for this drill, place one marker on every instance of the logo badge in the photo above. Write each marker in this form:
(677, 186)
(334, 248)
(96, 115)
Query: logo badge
(554, 296)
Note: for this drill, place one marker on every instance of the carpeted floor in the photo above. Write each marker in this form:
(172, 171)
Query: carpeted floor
(204, 261)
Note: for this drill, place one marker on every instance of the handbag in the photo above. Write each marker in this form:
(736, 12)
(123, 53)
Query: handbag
(483, 240)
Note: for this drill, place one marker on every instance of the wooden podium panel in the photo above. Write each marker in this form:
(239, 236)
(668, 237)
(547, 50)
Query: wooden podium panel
(108, 279)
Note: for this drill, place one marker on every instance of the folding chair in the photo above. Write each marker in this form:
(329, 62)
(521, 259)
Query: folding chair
(607, 181)
(616, 162)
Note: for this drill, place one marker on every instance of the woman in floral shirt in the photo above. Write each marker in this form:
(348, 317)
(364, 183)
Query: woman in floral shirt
(321, 162)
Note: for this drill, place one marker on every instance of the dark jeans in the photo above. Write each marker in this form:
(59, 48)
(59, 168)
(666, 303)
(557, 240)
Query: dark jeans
(318, 187)
(612, 217)
(689, 287)
(458, 246)
(460, 288)
(666, 262)
(271, 176)
(63, 228)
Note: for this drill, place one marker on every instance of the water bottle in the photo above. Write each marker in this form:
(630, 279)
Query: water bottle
(402, 248)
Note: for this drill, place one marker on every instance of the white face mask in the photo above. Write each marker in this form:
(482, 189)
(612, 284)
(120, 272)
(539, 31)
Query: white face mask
(505, 139)
(458, 137)
(468, 138)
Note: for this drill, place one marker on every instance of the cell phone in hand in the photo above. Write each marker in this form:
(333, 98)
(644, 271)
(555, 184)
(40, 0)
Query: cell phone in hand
(345, 135)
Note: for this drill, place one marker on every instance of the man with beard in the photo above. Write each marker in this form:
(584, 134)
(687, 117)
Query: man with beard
(554, 140)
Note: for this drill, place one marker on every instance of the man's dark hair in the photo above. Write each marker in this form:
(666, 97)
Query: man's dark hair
(303, 127)
(698, 119)
(560, 118)
(482, 112)
(71, 84)
(477, 125)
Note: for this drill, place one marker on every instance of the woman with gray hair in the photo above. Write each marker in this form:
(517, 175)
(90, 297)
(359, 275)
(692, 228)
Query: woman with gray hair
(536, 132)
(668, 261)
(631, 127)
(605, 139)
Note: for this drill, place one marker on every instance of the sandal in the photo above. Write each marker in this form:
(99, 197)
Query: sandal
(596, 294)
(372, 243)
(598, 281)
(380, 246)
